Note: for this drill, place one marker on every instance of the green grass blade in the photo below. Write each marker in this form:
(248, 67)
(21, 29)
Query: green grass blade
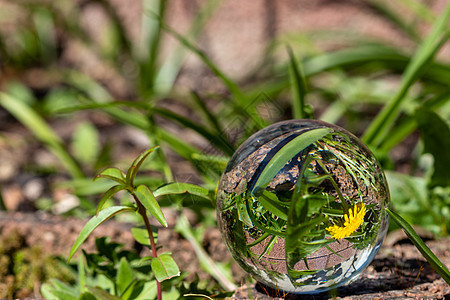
(419, 9)
(287, 153)
(234, 89)
(394, 17)
(184, 228)
(86, 143)
(437, 265)
(151, 37)
(385, 57)
(409, 124)
(354, 57)
(171, 66)
(238, 95)
(271, 203)
(94, 222)
(100, 96)
(215, 139)
(383, 122)
(435, 134)
(298, 86)
(213, 120)
(45, 30)
(82, 279)
(182, 148)
(43, 132)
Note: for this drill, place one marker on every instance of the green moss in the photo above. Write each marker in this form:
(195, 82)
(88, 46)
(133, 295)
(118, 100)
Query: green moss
(23, 268)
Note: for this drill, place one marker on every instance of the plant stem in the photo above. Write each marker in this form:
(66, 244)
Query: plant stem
(336, 187)
(435, 263)
(143, 213)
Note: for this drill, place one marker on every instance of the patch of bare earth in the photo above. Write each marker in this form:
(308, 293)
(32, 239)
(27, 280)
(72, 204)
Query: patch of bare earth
(397, 272)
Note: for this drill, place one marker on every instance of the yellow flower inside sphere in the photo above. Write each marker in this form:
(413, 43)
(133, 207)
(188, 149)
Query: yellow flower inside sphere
(353, 219)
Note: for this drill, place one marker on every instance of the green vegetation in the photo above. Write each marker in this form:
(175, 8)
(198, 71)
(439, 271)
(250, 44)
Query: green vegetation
(351, 86)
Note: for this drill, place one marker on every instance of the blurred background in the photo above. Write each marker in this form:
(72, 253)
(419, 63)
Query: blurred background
(89, 84)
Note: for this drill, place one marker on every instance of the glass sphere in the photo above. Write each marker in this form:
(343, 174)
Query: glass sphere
(301, 206)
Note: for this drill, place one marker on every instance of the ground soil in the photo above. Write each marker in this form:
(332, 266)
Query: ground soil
(397, 272)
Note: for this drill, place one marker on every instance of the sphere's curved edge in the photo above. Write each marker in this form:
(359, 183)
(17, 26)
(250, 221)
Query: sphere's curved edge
(316, 222)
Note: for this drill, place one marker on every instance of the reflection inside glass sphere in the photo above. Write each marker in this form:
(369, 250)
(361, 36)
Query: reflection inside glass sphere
(301, 206)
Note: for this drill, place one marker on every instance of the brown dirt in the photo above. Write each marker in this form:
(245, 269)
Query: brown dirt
(397, 272)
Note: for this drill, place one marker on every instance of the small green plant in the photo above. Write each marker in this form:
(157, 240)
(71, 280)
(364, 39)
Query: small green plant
(112, 272)
(349, 84)
(162, 265)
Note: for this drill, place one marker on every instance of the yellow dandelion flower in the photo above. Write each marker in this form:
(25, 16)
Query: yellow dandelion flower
(353, 219)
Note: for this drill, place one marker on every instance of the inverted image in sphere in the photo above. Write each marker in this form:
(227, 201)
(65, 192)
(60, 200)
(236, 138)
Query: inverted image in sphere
(301, 206)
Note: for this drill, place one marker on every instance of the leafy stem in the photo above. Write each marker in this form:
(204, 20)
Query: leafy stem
(163, 266)
(142, 211)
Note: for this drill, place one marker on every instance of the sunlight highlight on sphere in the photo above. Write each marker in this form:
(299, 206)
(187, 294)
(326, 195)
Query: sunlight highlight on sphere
(301, 206)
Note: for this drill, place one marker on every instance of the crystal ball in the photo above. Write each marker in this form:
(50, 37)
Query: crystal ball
(301, 206)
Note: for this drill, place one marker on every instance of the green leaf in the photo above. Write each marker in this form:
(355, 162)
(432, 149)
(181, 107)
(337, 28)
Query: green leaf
(57, 289)
(412, 199)
(43, 132)
(315, 203)
(437, 265)
(172, 63)
(395, 18)
(212, 118)
(215, 139)
(298, 86)
(124, 275)
(181, 188)
(134, 168)
(148, 291)
(296, 249)
(436, 138)
(287, 153)
(101, 294)
(270, 202)
(113, 174)
(46, 34)
(298, 274)
(85, 143)
(210, 266)
(384, 121)
(81, 274)
(148, 200)
(151, 37)
(164, 267)
(94, 222)
(238, 96)
(141, 235)
(242, 210)
(86, 296)
(109, 193)
(408, 124)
